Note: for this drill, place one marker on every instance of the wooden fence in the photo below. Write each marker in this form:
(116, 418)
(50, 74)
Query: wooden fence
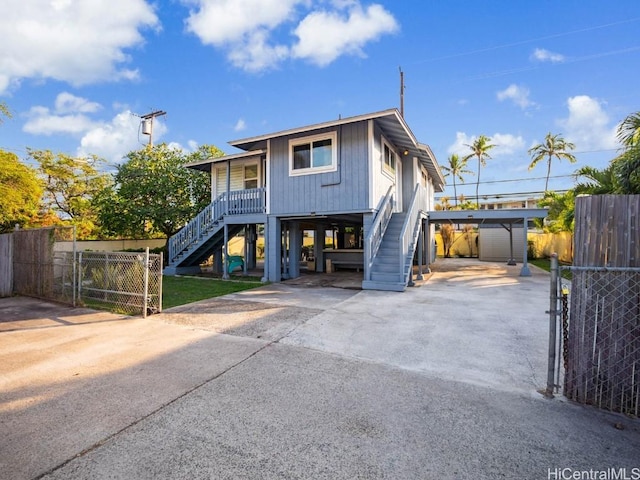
(607, 231)
(6, 265)
(603, 349)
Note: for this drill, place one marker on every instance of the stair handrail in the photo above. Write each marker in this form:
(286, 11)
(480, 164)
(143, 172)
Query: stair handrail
(407, 237)
(376, 231)
(191, 232)
(235, 202)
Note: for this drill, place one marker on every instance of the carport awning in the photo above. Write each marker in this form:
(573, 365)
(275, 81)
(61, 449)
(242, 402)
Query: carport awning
(479, 217)
(501, 217)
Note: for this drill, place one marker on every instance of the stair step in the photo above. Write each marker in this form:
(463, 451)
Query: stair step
(384, 268)
(386, 277)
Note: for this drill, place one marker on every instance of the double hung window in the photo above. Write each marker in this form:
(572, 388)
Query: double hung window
(388, 158)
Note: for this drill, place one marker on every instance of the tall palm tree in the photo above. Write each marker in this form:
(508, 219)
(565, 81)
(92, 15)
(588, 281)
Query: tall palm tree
(629, 130)
(457, 168)
(480, 149)
(553, 146)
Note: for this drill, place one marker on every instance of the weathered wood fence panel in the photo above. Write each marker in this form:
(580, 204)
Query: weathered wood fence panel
(33, 262)
(603, 354)
(607, 231)
(6, 265)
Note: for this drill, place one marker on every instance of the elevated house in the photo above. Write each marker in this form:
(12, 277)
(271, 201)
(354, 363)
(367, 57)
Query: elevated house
(366, 177)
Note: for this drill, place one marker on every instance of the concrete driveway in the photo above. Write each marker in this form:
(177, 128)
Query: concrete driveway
(295, 381)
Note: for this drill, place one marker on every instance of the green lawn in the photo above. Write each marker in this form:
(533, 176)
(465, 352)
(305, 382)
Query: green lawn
(543, 263)
(180, 290)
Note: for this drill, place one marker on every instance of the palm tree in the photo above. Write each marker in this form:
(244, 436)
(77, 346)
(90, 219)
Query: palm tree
(479, 148)
(629, 130)
(596, 182)
(456, 168)
(553, 146)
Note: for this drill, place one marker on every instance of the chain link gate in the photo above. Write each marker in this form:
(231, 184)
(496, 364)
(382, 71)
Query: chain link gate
(598, 342)
(129, 283)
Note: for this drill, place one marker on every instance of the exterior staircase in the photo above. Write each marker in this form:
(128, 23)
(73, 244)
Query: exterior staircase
(204, 234)
(389, 271)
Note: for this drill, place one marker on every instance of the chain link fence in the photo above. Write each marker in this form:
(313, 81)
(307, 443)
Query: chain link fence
(599, 336)
(129, 283)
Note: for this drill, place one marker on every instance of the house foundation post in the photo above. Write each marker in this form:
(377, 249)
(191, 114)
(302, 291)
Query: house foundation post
(295, 249)
(420, 250)
(318, 247)
(225, 269)
(524, 271)
(273, 256)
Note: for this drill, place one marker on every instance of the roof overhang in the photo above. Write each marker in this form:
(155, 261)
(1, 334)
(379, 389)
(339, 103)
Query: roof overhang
(205, 165)
(479, 217)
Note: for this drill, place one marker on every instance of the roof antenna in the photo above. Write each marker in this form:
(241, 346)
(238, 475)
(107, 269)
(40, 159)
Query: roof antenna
(401, 92)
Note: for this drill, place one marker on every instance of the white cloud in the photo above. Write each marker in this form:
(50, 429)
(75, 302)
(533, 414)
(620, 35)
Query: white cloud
(324, 36)
(505, 144)
(67, 117)
(517, 94)
(66, 102)
(255, 54)
(222, 22)
(75, 42)
(112, 140)
(588, 125)
(245, 29)
(542, 55)
(240, 125)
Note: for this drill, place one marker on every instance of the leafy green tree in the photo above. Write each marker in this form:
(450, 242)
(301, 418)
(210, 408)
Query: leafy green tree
(553, 146)
(71, 183)
(153, 192)
(456, 168)
(480, 149)
(561, 210)
(20, 192)
(629, 130)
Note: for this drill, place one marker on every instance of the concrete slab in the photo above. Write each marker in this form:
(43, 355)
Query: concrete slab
(470, 321)
(69, 379)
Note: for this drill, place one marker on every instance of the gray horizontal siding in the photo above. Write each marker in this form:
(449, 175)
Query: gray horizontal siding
(345, 190)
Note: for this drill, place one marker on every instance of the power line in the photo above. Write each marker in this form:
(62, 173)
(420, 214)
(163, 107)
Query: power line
(513, 180)
(522, 42)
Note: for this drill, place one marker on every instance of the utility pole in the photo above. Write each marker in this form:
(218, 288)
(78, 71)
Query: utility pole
(401, 92)
(147, 123)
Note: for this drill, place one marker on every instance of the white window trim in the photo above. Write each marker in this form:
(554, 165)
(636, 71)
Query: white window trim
(244, 171)
(314, 138)
(385, 169)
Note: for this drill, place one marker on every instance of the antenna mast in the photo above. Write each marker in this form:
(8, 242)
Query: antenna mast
(401, 92)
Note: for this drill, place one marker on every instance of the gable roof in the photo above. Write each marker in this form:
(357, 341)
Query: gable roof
(390, 122)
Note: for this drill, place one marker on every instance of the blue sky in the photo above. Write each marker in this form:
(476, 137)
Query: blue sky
(76, 73)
